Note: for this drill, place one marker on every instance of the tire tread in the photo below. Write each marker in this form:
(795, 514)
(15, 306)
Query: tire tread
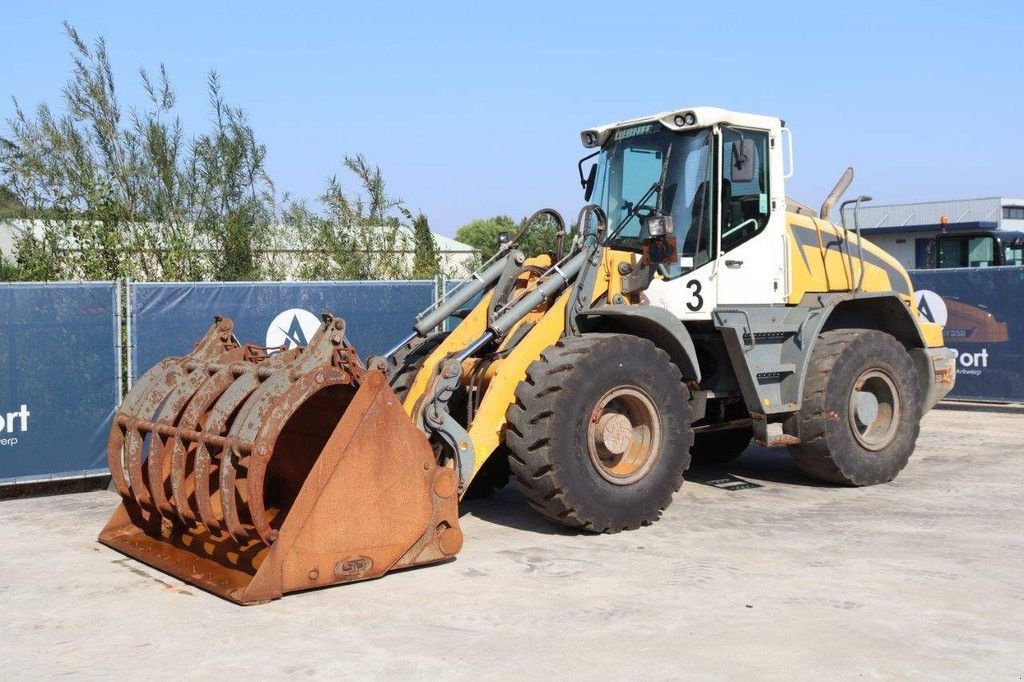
(532, 416)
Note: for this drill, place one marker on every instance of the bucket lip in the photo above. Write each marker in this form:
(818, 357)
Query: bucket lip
(228, 583)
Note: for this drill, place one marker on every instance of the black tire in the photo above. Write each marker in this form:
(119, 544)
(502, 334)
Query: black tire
(720, 447)
(412, 363)
(551, 428)
(831, 449)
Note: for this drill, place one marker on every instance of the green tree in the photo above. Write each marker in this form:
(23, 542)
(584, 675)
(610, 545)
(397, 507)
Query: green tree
(234, 194)
(358, 235)
(8, 272)
(124, 193)
(11, 207)
(482, 235)
(427, 261)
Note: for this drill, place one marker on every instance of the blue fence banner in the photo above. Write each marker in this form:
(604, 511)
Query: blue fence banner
(167, 319)
(59, 379)
(982, 310)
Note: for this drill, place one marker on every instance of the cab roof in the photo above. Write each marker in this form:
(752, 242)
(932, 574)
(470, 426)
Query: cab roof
(681, 119)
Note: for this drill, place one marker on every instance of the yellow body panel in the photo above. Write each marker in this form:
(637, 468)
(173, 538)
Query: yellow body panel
(468, 331)
(488, 425)
(820, 261)
(932, 333)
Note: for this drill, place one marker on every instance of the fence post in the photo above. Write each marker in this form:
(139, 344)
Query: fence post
(128, 329)
(118, 339)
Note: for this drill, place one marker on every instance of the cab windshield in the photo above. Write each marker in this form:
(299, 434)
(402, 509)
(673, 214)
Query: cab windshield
(649, 169)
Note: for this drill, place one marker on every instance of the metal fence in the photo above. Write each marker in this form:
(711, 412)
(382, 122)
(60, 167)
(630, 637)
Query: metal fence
(61, 358)
(59, 378)
(982, 310)
(61, 363)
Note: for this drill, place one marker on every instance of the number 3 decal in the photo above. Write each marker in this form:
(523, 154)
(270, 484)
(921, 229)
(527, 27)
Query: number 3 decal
(698, 301)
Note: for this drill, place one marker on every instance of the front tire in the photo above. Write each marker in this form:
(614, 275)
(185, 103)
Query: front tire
(861, 412)
(599, 435)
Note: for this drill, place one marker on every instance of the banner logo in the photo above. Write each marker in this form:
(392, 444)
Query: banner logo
(292, 328)
(12, 423)
(931, 306)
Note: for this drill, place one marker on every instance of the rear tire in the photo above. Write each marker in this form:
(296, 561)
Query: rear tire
(861, 411)
(599, 435)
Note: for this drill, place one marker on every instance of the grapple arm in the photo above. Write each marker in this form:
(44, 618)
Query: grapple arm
(251, 474)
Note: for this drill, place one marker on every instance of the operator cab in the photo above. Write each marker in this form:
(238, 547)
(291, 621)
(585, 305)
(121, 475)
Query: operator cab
(687, 188)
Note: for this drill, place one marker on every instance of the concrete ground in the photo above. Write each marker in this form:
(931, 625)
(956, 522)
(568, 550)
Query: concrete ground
(921, 577)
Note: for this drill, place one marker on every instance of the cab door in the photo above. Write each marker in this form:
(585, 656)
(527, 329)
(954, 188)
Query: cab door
(689, 289)
(751, 236)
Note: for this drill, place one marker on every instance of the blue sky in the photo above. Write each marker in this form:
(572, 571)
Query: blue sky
(474, 109)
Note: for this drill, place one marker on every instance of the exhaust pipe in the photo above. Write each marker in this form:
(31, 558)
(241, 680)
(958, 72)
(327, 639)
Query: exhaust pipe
(837, 191)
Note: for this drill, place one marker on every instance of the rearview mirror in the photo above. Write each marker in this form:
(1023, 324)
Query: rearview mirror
(744, 158)
(588, 187)
(501, 239)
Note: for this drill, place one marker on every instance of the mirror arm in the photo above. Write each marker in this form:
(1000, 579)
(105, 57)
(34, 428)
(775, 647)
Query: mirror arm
(579, 167)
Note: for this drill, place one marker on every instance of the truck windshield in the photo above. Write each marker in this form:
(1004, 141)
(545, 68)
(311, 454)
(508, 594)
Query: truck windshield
(680, 164)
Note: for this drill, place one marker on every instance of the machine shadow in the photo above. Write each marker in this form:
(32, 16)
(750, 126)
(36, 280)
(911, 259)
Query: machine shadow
(759, 465)
(508, 507)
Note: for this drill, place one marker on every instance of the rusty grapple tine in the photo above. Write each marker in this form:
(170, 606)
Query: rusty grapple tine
(269, 392)
(200, 403)
(218, 404)
(228, 500)
(170, 411)
(253, 418)
(123, 431)
(157, 384)
(124, 448)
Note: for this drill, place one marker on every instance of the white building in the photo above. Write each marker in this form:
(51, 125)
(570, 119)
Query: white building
(904, 230)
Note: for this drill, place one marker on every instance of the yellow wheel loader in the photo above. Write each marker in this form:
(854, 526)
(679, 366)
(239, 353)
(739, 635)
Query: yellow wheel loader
(690, 309)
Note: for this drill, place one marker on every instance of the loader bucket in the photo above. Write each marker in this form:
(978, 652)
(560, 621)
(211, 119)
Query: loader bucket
(251, 473)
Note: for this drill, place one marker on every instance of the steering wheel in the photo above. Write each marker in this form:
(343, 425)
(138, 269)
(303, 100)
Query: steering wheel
(646, 211)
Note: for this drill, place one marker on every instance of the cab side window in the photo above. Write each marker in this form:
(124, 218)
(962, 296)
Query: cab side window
(745, 190)
(966, 252)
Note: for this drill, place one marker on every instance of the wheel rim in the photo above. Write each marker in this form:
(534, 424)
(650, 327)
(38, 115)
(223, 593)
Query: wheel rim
(874, 409)
(624, 435)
